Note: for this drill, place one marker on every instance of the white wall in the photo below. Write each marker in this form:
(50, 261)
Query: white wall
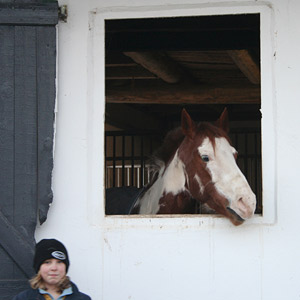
(173, 258)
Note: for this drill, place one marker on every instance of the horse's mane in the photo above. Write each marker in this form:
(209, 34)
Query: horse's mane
(173, 140)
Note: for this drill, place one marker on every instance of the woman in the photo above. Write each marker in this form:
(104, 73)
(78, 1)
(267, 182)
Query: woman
(51, 263)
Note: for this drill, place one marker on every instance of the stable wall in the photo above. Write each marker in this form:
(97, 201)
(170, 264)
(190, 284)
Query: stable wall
(173, 258)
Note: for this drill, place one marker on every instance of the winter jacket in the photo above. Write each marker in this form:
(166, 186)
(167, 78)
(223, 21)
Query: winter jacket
(32, 294)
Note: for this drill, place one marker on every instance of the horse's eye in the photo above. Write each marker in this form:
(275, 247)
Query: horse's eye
(205, 158)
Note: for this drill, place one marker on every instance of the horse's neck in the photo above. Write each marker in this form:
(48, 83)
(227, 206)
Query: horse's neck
(181, 203)
(170, 182)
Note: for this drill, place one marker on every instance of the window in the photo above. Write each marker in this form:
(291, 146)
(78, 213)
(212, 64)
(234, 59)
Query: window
(219, 52)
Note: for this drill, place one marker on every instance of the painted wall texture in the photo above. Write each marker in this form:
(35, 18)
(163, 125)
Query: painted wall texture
(174, 258)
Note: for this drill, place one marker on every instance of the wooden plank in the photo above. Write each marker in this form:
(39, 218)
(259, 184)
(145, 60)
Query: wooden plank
(247, 64)
(7, 119)
(127, 72)
(46, 92)
(7, 139)
(185, 94)
(116, 59)
(16, 245)
(10, 288)
(159, 64)
(29, 13)
(220, 77)
(218, 57)
(7, 265)
(9, 269)
(25, 165)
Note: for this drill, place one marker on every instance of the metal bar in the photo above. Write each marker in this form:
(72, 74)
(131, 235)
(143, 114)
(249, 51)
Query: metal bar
(114, 161)
(128, 176)
(123, 159)
(142, 162)
(132, 160)
(105, 163)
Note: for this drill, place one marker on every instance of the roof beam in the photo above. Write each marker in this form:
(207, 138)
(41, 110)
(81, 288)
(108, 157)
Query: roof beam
(159, 64)
(183, 94)
(247, 64)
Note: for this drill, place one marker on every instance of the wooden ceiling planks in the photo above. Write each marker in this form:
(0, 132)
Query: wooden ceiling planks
(156, 92)
(184, 61)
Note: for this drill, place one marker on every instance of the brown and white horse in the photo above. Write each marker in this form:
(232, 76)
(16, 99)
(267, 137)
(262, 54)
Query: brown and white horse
(197, 163)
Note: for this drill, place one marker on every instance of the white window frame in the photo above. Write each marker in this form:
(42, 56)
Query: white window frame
(96, 98)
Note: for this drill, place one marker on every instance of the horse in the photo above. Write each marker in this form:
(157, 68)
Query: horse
(196, 164)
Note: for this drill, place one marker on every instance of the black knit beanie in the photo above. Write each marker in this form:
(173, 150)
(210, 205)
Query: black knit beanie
(50, 248)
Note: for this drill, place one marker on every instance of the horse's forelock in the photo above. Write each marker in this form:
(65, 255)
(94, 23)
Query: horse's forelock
(211, 132)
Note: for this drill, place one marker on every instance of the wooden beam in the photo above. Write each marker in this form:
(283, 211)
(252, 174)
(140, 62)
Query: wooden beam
(186, 94)
(159, 64)
(29, 13)
(247, 64)
(11, 287)
(128, 72)
(16, 245)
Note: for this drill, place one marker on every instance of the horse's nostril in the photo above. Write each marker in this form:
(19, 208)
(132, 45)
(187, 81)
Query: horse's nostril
(241, 205)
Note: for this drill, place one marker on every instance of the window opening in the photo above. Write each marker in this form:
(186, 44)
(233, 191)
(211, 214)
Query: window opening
(157, 66)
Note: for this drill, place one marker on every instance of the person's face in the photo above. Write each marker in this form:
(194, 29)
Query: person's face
(52, 271)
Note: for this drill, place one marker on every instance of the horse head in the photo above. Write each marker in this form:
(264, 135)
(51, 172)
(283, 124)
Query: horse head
(211, 173)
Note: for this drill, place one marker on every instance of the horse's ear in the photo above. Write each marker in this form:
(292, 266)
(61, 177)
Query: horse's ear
(187, 124)
(223, 121)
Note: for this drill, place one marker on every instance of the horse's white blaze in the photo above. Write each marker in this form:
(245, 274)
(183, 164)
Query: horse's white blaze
(201, 186)
(227, 177)
(171, 181)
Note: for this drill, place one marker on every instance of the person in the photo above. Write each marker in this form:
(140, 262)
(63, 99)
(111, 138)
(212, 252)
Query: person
(51, 264)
